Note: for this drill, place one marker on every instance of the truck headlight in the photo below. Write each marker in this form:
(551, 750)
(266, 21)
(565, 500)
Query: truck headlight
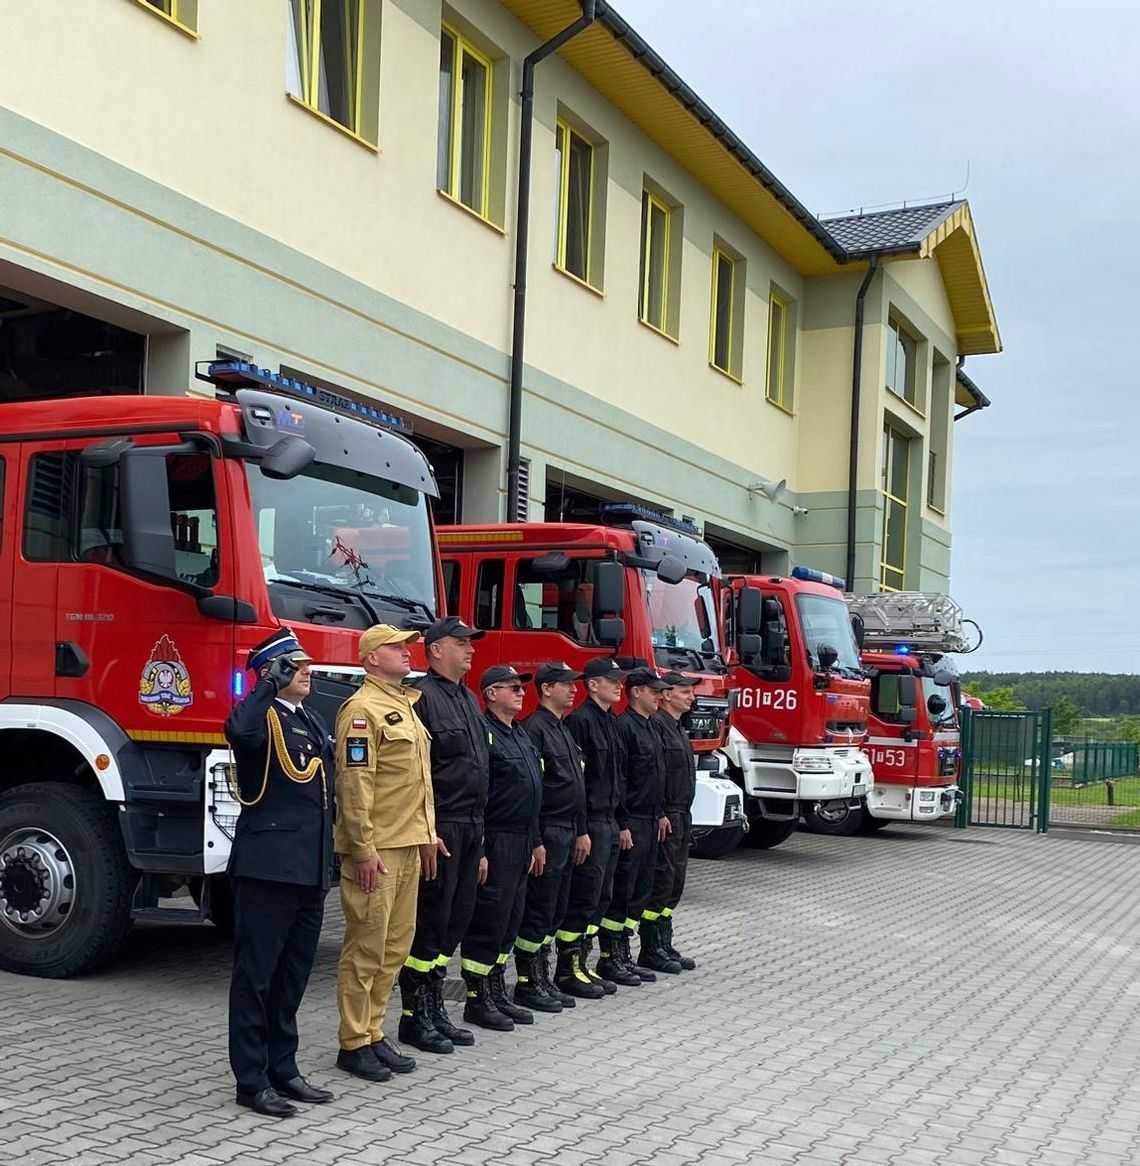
(812, 762)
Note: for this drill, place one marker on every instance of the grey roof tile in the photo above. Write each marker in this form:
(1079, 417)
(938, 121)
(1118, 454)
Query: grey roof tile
(888, 230)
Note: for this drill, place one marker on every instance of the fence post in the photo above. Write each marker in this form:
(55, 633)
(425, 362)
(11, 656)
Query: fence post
(962, 817)
(1045, 752)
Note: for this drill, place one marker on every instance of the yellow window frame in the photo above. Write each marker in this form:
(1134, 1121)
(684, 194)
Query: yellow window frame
(568, 132)
(309, 49)
(776, 389)
(653, 202)
(173, 11)
(461, 46)
(721, 256)
(890, 436)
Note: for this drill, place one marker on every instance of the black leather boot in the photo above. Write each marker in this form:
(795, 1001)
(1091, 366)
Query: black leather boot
(570, 979)
(542, 971)
(480, 1009)
(585, 944)
(611, 965)
(665, 930)
(417, 1027)
(438, 1010)
(497, 983)
(651, 954)
(529, 989)
(644, 974)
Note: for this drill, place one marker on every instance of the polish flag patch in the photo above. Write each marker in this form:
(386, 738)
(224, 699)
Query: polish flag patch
(359, 723)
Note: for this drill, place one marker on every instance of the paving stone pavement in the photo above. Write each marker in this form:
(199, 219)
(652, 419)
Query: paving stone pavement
(921, 997)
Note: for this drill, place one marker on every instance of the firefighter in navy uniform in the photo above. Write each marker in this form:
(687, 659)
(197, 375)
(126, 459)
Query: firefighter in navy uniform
(595, 728)
(280, 867)
(514, 849)
(644, 819)
(562, 820)
(673, 850)
(451, 715)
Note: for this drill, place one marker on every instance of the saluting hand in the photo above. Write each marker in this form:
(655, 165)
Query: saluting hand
(366, 873)
(664, 827)
(625, 840)
(429, 858)
(581, 849)
(537, 861)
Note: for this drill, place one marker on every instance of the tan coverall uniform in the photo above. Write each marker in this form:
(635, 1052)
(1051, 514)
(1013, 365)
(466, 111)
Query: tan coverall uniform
(384, 807)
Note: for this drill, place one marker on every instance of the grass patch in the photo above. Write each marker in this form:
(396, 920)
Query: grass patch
(1015, 788)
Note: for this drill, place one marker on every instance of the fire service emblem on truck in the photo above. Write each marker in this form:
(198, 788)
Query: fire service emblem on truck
(164, 687)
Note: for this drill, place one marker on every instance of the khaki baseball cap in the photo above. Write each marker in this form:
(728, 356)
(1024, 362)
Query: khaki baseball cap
(380, 634)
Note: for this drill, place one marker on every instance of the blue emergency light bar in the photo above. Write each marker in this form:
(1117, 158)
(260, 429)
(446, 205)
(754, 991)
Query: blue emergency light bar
(628, 511)
(811, 575)
(241, 374)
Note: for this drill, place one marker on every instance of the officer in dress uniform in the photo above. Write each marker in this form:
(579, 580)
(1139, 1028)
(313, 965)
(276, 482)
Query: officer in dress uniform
(562, 820)
(514, 849)
(385, 835)
(657, 948)
(280, 867)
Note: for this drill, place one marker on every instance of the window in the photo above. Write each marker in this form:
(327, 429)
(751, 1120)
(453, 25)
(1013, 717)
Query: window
(326, 64)
(725, 331)
(895, 484)
(779, 374)
(489, 594)
(902, 363)
(184, 13)
(451, 579)
(941, 382)
(557, 601)
(656, 228)
(575, 170)
(72, 514)
(464, 144)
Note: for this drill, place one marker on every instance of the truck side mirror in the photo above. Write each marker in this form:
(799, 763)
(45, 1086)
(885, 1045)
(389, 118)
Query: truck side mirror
(859, 629)
(671, 570)
(749, 613)
(144, 496)
(936, 704)
(906, 715)
(287, 458)
(827, 657)
(748, 648)
(944, 678)
(908, 692)
(609, 591)
(610, 631)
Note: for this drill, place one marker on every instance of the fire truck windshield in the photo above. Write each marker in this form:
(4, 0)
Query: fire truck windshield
(825, 621)
(683, 621)
(336, 529)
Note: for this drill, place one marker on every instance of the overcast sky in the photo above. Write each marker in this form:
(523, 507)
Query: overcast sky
(859, 104)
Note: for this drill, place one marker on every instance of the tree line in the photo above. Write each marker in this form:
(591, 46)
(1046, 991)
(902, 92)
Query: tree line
(1097, 694)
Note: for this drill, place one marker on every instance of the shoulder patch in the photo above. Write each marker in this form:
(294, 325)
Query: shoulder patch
(393, 718)
(359, 723)
(356, 751)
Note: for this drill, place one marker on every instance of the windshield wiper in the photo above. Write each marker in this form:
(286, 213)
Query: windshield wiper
(336, 592)
(405, 602)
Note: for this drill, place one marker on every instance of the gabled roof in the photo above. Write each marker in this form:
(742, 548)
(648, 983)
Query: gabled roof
(618, 63)
(901, 229)
(968, 394)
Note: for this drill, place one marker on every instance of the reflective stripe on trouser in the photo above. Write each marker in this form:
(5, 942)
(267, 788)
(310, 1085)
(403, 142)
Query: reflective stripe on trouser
(672, 864)
(633, 879)
(444, 904)
(498, 902)
(378, 930)
(591, 884)
(547, 895)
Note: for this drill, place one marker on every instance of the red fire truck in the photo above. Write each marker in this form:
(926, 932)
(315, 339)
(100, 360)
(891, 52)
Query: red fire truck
(147, 544)
(914, 743)
(642, 590)
(798, 716)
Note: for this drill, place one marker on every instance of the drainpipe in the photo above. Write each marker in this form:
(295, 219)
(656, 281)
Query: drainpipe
(856, 390)
(522, 233)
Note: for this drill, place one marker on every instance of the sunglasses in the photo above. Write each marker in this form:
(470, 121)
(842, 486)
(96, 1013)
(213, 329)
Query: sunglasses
(509, 687)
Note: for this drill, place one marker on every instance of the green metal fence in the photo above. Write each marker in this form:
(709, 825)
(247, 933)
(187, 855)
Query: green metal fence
(1079, 761)
(1006, 759)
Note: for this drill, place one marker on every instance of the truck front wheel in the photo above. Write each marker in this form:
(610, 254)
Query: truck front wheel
(837, 819)
(65, 883)
(764, 833)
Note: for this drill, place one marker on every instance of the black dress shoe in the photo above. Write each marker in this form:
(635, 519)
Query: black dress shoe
(362, 1063)
(387, 1054)
(298, 1089)
(267, 1102)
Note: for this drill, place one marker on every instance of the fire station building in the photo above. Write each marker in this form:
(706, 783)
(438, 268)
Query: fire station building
(329, 188)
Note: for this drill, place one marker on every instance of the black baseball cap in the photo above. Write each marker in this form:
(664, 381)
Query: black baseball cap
(497, 673)
(646, 678)
(555, 672)
(680, 680)
(451, 625)
(603, 666)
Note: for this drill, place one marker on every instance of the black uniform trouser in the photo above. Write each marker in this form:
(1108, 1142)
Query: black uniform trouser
(276, 928)
(592, 883)
(672, 864)
(445, 903)
(633, 879)
(498, 902)
(548, 895)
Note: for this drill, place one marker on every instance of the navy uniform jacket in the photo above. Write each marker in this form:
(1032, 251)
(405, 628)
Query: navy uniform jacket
(644, 767)
(680, 763)
(563, 783)
(598, 736)
(516, 781)
(286, 836)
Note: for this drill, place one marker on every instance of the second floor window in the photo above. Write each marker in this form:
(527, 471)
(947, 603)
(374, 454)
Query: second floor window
(464, 143)
(655, 260)
(325, 64)
(779, 381)
(574, 158)
(725, 339)
(896, 496)
(902, 362)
